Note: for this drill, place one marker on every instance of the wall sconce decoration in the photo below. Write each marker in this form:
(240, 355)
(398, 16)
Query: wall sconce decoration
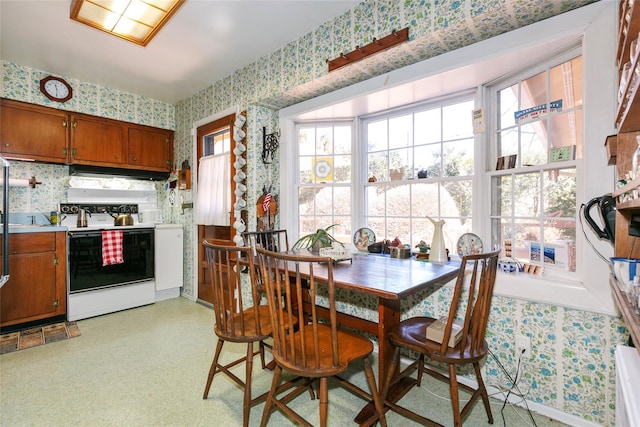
(270, 144)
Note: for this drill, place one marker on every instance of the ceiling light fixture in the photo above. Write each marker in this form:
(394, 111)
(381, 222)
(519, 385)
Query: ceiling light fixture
(136, 21)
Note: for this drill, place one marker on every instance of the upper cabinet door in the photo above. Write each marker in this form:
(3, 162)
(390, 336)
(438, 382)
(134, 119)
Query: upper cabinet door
(150, 148)
(97, 141)
(33, 132)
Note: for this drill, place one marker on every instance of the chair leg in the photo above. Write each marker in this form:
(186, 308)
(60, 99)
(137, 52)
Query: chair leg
(455, 402)
(262, 355)
(246, 405)
(374, 392)
(483, 391)
(275, 382)
(324, 401)
(213, 369)
(420, 370)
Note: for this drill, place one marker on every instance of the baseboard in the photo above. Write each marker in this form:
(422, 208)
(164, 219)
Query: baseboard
(187, 296)
(536, 407)
(167, 294)
(539, 408)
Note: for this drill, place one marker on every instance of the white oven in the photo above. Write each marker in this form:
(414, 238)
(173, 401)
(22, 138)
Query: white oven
(96, 287)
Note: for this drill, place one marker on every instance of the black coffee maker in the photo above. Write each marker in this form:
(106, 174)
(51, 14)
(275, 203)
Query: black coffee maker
(606, 206)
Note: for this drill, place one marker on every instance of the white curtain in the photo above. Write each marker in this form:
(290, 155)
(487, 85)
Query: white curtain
(214, 190)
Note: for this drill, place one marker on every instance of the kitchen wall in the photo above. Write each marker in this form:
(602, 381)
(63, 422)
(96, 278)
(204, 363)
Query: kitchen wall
(23, 84)
(571, 368)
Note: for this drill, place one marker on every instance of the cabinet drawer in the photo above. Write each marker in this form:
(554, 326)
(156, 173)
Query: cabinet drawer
(25, 243)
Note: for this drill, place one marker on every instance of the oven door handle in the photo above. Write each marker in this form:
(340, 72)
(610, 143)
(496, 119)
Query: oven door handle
(72, 234)
(79, 234)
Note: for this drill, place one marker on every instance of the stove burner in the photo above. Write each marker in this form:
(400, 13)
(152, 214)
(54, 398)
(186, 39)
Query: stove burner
(72, 208)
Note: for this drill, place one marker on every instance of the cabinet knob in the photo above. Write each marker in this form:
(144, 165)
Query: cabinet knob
(134, 159)
(64, 123)
(74, 124)
(6, 145)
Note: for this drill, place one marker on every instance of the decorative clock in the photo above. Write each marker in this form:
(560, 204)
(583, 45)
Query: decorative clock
(56, 89)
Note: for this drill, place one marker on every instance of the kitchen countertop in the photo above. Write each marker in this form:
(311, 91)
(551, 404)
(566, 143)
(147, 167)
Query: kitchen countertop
(25, 228)
(43, 228)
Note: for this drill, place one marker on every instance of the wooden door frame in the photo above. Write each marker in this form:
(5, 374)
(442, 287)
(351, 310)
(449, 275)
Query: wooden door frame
(226, 116)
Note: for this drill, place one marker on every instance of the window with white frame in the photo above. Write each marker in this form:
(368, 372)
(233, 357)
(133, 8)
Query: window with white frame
(537, 198)
(407, 165)
(325, 177)
(537, 139)
(419, 163)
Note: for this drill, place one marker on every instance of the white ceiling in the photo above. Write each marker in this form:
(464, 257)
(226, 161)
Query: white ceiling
(204, 42)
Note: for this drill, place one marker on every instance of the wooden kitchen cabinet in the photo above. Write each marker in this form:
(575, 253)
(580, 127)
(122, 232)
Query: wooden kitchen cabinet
(97, 141)
(628, 112)
(33, 132)
(150, 148)
(37, 287)
(628, 126)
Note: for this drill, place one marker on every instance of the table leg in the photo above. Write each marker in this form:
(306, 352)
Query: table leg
(388, 318)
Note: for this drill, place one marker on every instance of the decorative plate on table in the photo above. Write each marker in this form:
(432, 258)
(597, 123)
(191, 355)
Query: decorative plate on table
(363, 238)
(469, 244)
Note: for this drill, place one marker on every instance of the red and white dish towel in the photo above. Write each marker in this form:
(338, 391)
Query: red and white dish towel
(112, 247)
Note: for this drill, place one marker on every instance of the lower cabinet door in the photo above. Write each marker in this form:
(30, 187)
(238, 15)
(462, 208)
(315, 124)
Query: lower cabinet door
(31, 292)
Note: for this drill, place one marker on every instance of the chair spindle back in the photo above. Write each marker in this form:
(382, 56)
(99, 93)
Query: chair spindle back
(481, 269)
(225, 264)
(289, 280)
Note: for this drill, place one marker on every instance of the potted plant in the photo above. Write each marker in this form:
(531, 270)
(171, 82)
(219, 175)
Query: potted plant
(423, 247)
(314, 241)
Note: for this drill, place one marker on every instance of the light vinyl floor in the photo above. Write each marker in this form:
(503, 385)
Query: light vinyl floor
(148, 366)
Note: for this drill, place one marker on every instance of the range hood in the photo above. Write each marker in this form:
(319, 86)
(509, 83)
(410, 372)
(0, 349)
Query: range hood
(84, 170)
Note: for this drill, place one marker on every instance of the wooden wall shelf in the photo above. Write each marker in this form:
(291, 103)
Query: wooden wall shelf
(359, 53)
(611, 145)
(631, 319)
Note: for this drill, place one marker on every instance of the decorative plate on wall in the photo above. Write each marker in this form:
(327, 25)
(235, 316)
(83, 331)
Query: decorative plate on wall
(363, 238)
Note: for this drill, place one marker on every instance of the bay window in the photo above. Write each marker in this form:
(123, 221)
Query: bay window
(406, 165)
(544, 103)
(538, 125)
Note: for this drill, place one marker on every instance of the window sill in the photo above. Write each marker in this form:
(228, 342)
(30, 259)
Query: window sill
(554, 291)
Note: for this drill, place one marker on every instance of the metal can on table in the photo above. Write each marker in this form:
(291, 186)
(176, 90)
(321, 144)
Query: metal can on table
(55, 218)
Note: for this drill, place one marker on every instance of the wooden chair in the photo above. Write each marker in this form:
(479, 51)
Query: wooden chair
(272, 240)
(234, 323)
(318, 349)
(473, 309)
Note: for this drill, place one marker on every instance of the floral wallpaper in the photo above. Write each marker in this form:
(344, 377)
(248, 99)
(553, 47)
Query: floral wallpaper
(571, 367)
(23, 84)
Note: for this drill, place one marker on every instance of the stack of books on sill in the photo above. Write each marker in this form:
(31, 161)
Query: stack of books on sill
(435, 331)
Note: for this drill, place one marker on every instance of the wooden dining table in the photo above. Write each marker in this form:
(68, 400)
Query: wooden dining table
(390, 280)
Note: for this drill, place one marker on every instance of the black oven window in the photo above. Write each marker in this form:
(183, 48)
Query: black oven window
(86, 271)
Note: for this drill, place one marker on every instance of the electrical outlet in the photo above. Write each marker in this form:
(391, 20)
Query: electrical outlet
(523, 343)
